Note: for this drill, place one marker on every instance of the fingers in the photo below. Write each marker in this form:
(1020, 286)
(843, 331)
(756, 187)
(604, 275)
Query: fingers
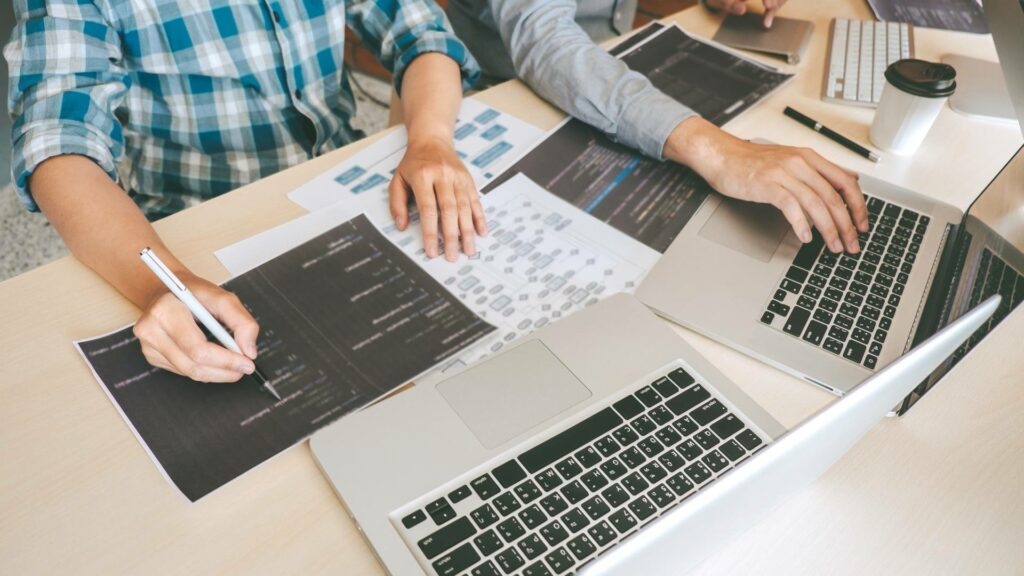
(227, 308)
(170, 339)
(833, 202)
(467, 225)
(449, 210)
(477, 209)
(815, 207)
(846, 183)
(790, 207)
(426, 203)
(769, 18)
(398, 201)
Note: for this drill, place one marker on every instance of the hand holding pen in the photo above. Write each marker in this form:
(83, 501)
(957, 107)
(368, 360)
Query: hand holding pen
(172, 340)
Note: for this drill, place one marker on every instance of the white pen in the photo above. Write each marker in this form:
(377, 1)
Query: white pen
(181, 292)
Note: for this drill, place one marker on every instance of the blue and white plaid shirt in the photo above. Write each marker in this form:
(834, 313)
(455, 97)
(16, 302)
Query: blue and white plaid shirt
(182, 100)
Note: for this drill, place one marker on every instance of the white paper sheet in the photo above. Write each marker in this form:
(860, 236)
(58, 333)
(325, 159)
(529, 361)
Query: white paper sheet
(543, 259)
(487, 141)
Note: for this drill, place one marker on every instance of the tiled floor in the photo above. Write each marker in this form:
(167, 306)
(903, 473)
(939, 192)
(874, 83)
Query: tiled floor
(27, 240)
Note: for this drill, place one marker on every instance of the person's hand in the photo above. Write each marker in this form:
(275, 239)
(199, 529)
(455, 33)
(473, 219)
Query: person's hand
(740, 7)
(803, 185)
(172, 340)
(433, 173)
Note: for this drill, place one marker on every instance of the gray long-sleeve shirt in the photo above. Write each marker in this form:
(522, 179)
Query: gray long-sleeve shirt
(550, 45)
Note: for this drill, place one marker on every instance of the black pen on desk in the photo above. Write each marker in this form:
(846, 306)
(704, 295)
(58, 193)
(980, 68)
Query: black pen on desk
(181, 292)
(831, 134)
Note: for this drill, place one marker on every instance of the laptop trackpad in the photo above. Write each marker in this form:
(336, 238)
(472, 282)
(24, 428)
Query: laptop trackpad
(508, 394)
(747, 227)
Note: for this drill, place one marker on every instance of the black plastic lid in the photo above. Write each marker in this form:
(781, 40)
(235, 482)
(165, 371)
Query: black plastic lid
(922, 78)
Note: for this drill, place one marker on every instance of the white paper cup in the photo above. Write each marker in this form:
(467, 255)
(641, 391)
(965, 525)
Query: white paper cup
(912, 98)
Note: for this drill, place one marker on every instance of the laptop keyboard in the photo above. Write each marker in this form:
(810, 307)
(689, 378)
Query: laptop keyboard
(994, 276)
(574, 495)
(845, 303)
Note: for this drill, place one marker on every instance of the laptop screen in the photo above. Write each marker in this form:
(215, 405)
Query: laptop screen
(987, 258)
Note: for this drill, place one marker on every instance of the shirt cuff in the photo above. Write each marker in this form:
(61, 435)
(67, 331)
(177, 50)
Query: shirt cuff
(42, 142)
(648, 121)
(441, 42)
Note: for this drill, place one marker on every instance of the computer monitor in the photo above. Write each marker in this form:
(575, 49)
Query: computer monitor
(988, 89)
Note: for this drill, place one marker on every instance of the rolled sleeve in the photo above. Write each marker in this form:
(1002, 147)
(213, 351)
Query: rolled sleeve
(398, 31)
(65, 84)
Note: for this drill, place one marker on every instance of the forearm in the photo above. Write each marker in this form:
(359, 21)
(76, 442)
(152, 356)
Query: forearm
(101, 225)
(431, 96)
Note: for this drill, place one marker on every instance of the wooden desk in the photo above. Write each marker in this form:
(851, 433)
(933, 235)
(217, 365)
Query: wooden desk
(937, 492)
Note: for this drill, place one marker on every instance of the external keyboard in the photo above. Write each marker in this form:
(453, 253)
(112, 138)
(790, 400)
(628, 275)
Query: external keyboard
(859, 53)
(561, 503)
(845, 303)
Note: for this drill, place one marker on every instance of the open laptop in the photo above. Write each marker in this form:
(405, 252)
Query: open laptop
(540, 459)
(737, 273)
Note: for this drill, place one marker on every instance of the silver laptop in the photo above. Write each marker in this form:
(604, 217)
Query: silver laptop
(738, 274)
(538, 460)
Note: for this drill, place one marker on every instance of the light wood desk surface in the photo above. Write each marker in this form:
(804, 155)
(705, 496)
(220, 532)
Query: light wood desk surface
(940, 491)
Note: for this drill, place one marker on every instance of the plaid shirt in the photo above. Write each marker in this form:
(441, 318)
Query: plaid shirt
(182, 100)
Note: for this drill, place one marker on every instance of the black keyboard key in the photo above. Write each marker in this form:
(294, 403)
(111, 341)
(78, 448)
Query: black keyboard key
(644, 425)
(671, 460)
(549, 480)
(748, 439)
(687, 399)
(588, 457)
(706, 439)
(581, 546)
(806, 302)
(596, 507)
(669, 436)
(446, 538)
(679, 484)
(623, 521)
(459, 494)
(661, 415)
(575, 520)
(796, 274)
(509, 560)
(485, 487)
(615, 495)
(870, 361)
(594, 480)
(832, 345)
(880, 336)
(607, 446)
(653, 472)
(665, 387)
(865, 323)
(613, 468)
(732, 450)
(642, 508)
(808, 252)
(854, 351)
(626, 435)
(689, 450)
(844, 322)
(460, 559)
(554, 504)
(685, 425)
(634, 483)
(796, 321)
(528, 491)
(487, 569)
(650, 447)
(568, 468)
(511, 530)
(532, 546)
(602, 534)
(715, 461)
(697, 472)
(790, 286)
(661, 496)
(414, 519)
(536, 569)
(817, 281)
(440, 511)
(506, 504)
(727, 426)
(553, 533)
(564, 443)
(648, 396)
(628, 407)
(828, 305)
(680, 377)
(708, 412)
(574, 492)
(488, 542)
(632, 457)
(484, 516)
(862, 336)
(560, 561)
(815, 332)
(509, 473)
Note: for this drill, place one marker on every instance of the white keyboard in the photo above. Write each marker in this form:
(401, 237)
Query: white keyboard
(859, 53)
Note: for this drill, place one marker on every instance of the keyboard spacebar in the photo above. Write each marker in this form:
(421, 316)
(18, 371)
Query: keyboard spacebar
(565, 443)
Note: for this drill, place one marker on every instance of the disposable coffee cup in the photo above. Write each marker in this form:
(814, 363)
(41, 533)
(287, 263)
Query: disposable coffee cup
(914, 93)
